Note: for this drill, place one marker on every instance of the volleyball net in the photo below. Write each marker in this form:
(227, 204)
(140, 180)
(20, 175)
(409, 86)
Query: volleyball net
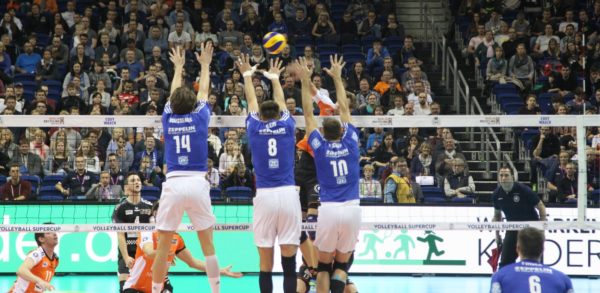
(442, 229)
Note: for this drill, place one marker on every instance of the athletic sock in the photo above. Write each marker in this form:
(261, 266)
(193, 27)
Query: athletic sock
(265, 281)
(289, 273)
(157, 287)
(337, 286)
(213, 274)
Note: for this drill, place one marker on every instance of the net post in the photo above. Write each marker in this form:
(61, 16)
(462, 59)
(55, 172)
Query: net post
(582, 170)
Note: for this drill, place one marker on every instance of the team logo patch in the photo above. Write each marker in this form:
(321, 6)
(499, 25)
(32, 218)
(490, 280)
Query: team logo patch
(128, 212)
(273, 164)
(315, 143)
(317, 188)
(516, 198)
(183, 160)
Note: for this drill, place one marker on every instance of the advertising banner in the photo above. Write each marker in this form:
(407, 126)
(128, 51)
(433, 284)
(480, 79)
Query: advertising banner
(573, 251)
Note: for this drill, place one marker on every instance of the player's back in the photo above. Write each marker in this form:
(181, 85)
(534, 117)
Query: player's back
(273, 153)
(186, 139)
(528, 276)
(337, 165)
(43, 267)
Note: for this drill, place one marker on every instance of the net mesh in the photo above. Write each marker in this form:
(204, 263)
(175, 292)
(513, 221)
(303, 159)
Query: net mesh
(439, 234)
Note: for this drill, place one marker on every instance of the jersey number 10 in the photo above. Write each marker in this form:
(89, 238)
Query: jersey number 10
(182, 142)
(340, 168)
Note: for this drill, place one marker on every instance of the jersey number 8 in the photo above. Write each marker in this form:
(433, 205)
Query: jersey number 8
(272, 147)
(182, 142)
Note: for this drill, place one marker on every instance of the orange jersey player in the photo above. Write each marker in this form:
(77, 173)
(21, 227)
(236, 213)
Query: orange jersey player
(38, 268)
(140, 276)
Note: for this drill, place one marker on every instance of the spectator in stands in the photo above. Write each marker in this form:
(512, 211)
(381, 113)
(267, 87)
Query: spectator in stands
(5, 61)
(521, 66)
(106, 47)
(324, 30)
(568, 20)
(384, 83)
(348, 28)
(59, 159)
(510, 45)
(564, 83)
(203, 35)
(239, 177)
(444, 160)
(92, 161)
(156, 156)
(278, 25)
(103, 190)
(459, 183)
(555, 172)
(230, 35)
(16, 188)
(258, 57)
(60, 51)
(369, 188)
(28, 60)
(77, 71)
(369, 107)
(567, 184)
(78, 182)
(578, 104)
(521, 25)
(387, 99)
(398, 187)
(497, 66)
(38, 145)
(309, 55)
(230, 157)
(72, 98)
(385, 151)
(569, 36)
(475, 41)
(376, 55)
(531, 107)
(542, 41)
(151, 176)
(46, 69)
(30, 163)
(7, 146)
(587, 27)
(369, 26)
(418, 88)
(392, 28)
(398, 108)
(388, 64)
(38, 21)
(212, 175)
(356, 75)
(423, 165)
(494, 23)
(364, 92)
(179, 37)
(593, 168)
(415, 75)
(10, 104)
(485, 51)
(546, 144)
(422, 107)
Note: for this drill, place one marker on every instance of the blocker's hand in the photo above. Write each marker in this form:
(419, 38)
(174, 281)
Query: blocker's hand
(227, 272)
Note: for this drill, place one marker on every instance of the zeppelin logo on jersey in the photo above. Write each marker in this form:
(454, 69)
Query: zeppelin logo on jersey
(183, 129)
(516, 198)
(128, 212)
(183, 160)
(315, 143)
(337, 154)
(273, 163)
(268, 131)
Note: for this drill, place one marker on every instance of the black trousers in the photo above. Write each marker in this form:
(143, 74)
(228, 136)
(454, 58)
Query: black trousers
(509, 249)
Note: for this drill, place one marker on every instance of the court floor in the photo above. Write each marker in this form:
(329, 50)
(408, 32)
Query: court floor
(249, 284)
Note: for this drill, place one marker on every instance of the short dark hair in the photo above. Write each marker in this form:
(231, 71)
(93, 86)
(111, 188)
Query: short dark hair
(38, 235)
(182, 101)
(332, 129)
(269, 110)
(531, 243)
(132, 173)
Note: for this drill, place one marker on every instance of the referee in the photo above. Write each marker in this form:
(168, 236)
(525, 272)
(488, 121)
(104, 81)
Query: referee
(133, 209)
(518, 203)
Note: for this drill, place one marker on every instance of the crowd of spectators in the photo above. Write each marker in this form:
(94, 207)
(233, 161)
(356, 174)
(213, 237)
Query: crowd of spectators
(550, 51)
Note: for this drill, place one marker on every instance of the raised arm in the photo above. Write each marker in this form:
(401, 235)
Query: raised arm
(204, 58)
(275, 70)
(335, 71)
(247, 71)
(177, 56)
(307, 104)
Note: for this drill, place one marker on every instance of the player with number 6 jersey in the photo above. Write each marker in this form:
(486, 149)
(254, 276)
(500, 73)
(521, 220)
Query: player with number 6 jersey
(277, 212)
(185, 125)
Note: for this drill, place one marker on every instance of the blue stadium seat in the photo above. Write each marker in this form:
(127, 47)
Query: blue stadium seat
(49, 193)
(467, 199)
(506, 88)
(51, 180)
(527, 136)
(393, 41)
(367, 42)
(151, 193)
(238, 193)
(22, 77)
(353, 57)
(433, 194)
(34, 180)
(2, 179)
(595, 196)
(505, 98)
(351, 48)
(216, 194)
(512, 108)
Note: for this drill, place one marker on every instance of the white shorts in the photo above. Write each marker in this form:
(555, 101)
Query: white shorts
(277, 214)
(338, 226)
(185, 193)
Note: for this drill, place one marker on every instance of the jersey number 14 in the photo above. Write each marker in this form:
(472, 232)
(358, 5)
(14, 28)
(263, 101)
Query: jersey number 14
(182, 142)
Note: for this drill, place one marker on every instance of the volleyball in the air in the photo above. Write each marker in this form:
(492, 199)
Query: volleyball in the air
(274, 43)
